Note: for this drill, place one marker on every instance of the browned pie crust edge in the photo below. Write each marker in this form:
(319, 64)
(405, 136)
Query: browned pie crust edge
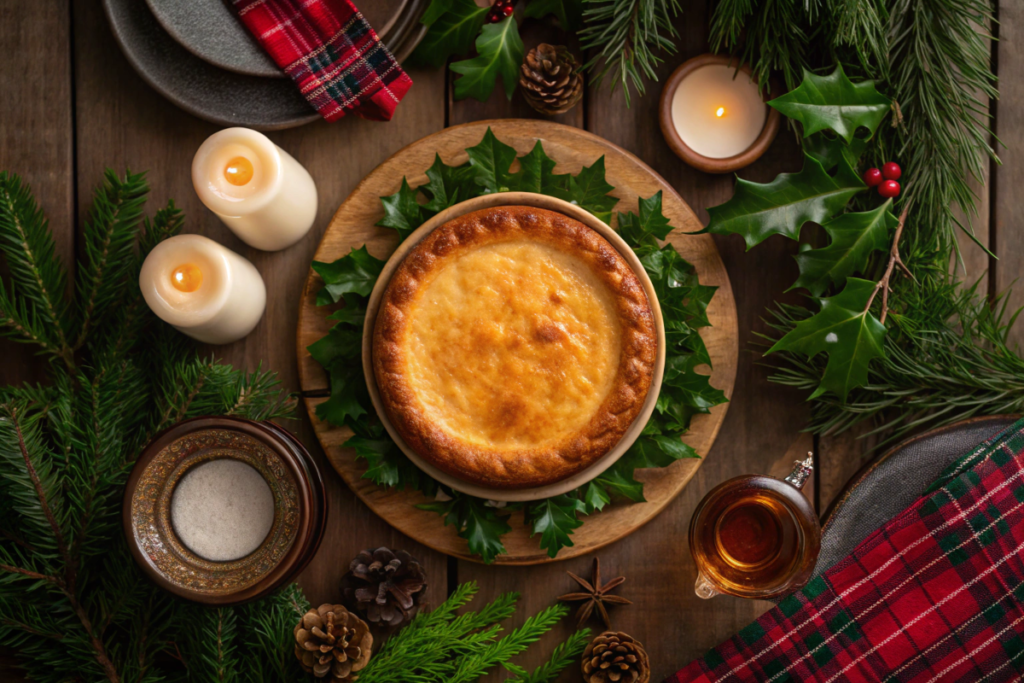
(526, 468)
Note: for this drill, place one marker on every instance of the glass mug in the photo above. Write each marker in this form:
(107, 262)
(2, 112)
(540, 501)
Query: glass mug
(755, 536)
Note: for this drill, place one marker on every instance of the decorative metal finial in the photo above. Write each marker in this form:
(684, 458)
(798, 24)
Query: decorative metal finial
(803, 470)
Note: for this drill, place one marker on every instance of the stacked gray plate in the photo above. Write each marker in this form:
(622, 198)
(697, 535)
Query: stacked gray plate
(893, 481)
(199, 56)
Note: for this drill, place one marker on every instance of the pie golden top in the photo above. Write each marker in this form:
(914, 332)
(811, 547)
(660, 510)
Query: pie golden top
(513, 347)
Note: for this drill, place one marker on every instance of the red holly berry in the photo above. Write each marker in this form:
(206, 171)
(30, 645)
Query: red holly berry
(889, 189)
(872, 177)
(507, 10)
(891, 171)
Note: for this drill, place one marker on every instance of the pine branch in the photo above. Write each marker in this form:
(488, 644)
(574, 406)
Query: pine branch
(628, 34)
(564, 655)
(109, 247)
(38, 277)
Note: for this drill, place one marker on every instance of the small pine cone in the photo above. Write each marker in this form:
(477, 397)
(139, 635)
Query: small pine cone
(331, 641)
(385, 586)
(615, 658)
(550, 79)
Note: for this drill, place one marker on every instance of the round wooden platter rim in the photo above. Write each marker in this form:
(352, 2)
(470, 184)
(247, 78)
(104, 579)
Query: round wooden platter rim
(352, 225)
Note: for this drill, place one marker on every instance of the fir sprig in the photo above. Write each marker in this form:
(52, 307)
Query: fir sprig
(73, 603)
(442, 647)
(629, 37)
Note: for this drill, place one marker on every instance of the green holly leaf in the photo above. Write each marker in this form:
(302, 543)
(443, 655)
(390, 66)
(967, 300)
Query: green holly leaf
(454, 25)
(850, 335)
(589, 190)
(618, 479)
(554, 519)
(342, 342)
(854, 237)
(595, 497)
(357, 272)
(568, 12)
(478, 523)
(348, 394)
(448, 185)
(353, 313)
(490, 161)
(402, 212)
(650, 223)
(536, 174)
(781, 207)
(499, 53)
(830, 149)
(435, 11)
(834, 102)
(659, 451)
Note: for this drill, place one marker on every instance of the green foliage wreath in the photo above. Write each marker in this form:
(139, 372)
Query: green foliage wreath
(684, 301)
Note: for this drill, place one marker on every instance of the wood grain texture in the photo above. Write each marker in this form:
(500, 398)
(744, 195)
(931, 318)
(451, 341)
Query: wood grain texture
(353, 226)
(122, 123)
(1009, 210)
(35, 132)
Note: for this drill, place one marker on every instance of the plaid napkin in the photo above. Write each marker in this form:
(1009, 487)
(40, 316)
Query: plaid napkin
(331, 53)
(935, 594)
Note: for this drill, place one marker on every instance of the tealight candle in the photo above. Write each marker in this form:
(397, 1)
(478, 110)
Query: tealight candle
(203, 289)
(713, 115)
(256, 188)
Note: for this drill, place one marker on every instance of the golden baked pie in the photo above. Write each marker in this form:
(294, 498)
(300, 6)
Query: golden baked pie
(513, 347)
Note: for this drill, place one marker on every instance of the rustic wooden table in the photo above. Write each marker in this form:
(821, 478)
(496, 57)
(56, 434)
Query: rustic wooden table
(70, 105)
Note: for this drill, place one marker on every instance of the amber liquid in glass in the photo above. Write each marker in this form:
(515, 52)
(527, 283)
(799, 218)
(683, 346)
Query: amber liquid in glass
(751, 536)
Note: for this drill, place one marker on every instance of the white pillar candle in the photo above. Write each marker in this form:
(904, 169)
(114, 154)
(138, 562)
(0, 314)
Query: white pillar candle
(203, 289)
(259, 190)
(718, 112)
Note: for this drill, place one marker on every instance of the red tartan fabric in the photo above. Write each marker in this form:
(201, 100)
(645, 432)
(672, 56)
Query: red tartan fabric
(331, 53)
(934, 595)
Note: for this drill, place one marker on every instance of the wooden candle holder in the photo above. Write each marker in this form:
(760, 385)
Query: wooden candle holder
(686, 153)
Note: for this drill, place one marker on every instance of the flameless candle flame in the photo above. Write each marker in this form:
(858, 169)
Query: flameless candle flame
(239, 171)
(187, 278)
(720, 112)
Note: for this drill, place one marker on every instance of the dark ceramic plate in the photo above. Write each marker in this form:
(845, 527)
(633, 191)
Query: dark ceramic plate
(214, 94)
(210, 30)
(893, 481)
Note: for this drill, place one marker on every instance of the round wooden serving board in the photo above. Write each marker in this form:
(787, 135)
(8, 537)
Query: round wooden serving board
(353, 226)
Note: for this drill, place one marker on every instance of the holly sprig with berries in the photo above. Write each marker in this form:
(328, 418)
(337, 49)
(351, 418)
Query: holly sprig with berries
(837, 118)
(627, 39)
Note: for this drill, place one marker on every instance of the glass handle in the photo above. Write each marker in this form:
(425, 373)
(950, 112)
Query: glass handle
(704, 588)
(801, 472)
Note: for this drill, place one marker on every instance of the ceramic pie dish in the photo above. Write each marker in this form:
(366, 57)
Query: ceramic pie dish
(299, 514)
(514, 347)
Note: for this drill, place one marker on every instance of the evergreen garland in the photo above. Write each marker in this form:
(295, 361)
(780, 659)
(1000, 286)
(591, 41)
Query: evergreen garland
(946, 355)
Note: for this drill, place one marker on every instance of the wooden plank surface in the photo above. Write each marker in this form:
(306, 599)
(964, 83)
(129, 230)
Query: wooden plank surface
(1009, 127)
(60, 135)
(121, 122)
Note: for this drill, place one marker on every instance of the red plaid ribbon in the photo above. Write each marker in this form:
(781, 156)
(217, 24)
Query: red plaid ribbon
(331, 52)
(937, 594)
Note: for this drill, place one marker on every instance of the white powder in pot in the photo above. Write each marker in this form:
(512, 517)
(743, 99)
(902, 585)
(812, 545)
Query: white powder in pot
(222, 510)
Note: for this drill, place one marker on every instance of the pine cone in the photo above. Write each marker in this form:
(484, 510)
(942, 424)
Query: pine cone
(550, 79)
(332, 641)
(615, 658)
(385, 586)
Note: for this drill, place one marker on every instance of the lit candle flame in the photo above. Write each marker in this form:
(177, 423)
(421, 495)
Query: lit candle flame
(187, 278)
(720, 112)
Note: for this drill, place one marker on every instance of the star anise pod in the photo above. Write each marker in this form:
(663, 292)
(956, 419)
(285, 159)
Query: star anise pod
(596, 596)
